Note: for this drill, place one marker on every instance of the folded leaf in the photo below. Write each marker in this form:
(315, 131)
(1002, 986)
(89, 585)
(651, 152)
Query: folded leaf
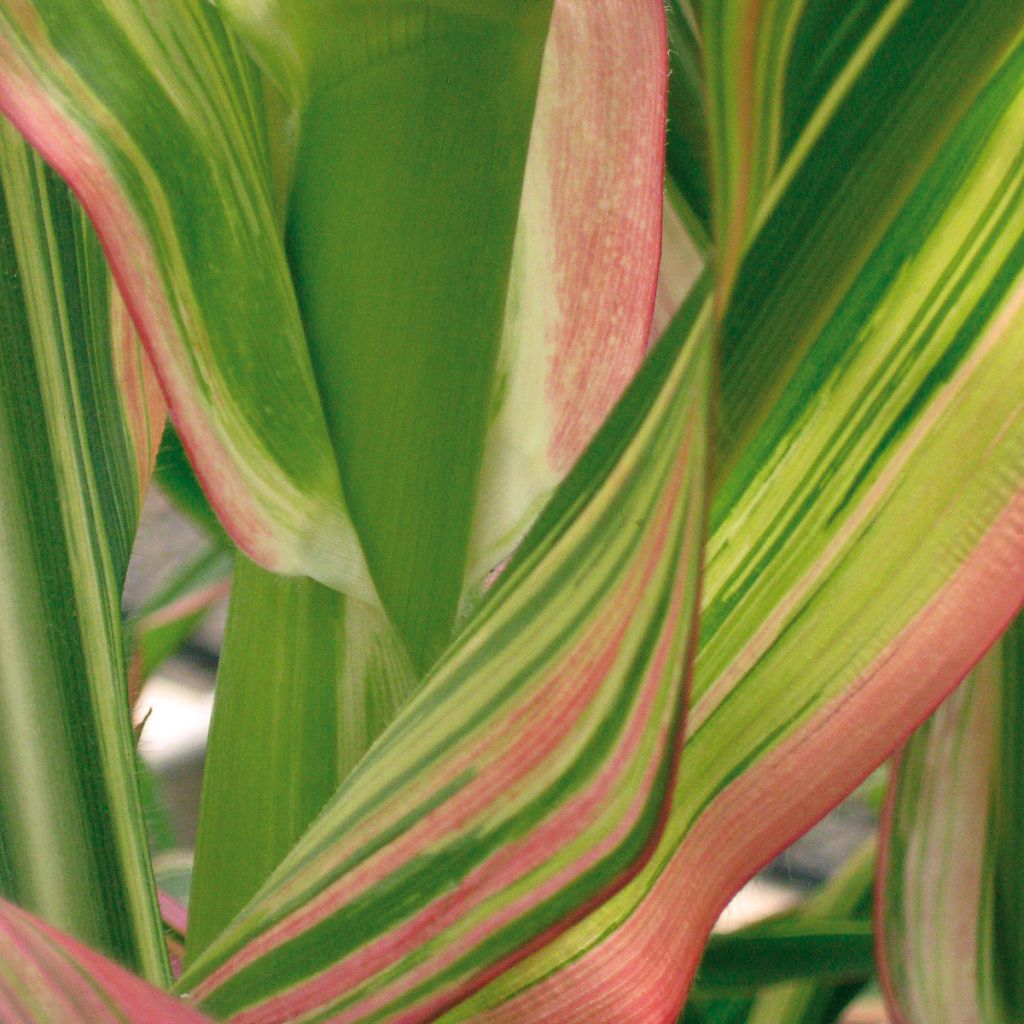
(49, 978)
(862, 554)
(474, 136)
(72, 466)
(150, 114)
(528, 779)
(408, 339)
(950, 890)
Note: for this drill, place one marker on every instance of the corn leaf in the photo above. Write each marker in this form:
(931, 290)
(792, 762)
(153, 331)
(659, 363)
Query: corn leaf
(868, 546)
(951, 899)
(152, 116)
(741, 962)
(308, 679)
(813, 1001)
(47, 977)
(505, 374)
(177, 479)
(528, 778)
(525, 141)
(74, 455)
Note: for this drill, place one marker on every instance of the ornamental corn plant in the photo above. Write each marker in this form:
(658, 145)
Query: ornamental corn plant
(568, 591)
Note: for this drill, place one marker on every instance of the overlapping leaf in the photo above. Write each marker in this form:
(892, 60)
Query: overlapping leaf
(950, 889)
(457, 401)
(48, 978)
(880, 502)
(76, 442)
(154, 118)
(528, 779)
(816, 1001)
(311, 681)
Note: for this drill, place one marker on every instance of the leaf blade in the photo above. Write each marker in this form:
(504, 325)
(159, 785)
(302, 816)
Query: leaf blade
(948, 881)
(848, 644)
(258, 438)
(633, 678)
(49, 978)
(74, 846)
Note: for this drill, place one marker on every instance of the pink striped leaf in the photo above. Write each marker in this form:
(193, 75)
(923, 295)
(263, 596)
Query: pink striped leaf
(151, 115)
(863, 552)
(584, 264)
(458, 401)
(48, 978)
(528, 779)
(72, 471)
(949, 906)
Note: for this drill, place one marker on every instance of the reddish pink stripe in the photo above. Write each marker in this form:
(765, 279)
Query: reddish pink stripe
(437, 1004)
(189, 604)
(507, 866)
(642, 973)
(71, 152)
(429, 1009)
(525, 749)
(47, 984)
(513, 863)
(144, 406)
(175, 914)
(603, 143)
(78, 984)
(513, 750)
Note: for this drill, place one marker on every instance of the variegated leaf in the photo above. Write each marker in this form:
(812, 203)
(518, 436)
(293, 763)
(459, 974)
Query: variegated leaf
(74, 453)
(458, 402)
(154, 118)
(950, 902)
(48, 978)
(864, 548)
(528, 779)
(308, 679)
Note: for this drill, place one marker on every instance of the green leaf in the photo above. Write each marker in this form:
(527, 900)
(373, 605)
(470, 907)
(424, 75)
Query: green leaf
(484, 141)
(528, 778)
(951, 886)
(856, 163)
(48, 978)
(454, 425)
(741, 962)
(308, 679)
(178, 481)
(850, 893)
(72, 839)
(687, 154)
(881, 501)
(154, 118)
